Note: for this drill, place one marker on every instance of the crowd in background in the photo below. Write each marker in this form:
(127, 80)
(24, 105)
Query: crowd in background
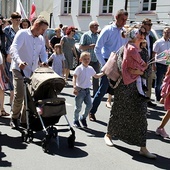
(135, 80)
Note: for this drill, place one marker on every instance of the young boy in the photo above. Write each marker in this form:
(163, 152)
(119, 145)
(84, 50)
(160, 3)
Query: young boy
(81, 84)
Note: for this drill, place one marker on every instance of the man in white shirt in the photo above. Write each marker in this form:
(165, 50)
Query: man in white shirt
(159, 46)
(27, 49)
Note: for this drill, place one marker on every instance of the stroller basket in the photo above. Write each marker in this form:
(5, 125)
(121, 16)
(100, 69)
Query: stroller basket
(52, 107)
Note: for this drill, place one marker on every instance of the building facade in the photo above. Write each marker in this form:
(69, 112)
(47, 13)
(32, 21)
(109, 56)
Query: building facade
(80, 12)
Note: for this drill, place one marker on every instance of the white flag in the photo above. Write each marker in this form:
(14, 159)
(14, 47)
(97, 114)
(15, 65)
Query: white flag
(20, 9)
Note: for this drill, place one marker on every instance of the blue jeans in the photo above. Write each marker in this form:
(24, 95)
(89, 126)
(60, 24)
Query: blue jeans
(83, 95)
(160, 73)
(104, 84)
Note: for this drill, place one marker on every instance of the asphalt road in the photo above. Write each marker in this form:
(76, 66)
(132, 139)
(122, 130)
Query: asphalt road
(90, 151)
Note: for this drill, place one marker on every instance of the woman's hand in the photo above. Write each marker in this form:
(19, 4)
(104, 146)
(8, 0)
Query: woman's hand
(135, 71)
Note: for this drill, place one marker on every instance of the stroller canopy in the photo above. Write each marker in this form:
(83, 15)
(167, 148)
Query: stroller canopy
(45, 83)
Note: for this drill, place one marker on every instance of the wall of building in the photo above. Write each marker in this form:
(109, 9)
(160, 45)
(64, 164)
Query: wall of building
(55, 7)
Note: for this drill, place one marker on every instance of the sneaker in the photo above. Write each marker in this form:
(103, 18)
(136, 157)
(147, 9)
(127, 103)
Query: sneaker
(161, 132)
(84, 123)
(76, 124)
(107, 140)
(14, 123)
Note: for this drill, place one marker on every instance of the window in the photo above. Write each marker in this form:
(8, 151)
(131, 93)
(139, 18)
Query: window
(149, 5)
(86, 4)
(107, 6)
(67, 6)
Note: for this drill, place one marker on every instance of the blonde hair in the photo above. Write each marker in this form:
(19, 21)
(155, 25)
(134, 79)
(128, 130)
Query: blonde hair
(83, 54)
(60, 49)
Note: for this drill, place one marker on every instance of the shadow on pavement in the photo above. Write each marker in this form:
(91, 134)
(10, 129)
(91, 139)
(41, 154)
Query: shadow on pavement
(62, 148)
(160, 162)
(93, 133)
(152, 135)
(11, 142)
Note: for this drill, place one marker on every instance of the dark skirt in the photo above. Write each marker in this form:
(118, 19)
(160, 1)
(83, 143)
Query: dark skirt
(128, 115)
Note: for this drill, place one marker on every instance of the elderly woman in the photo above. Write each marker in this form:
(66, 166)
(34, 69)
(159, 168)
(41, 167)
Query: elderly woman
(68, 45)
(128, 120)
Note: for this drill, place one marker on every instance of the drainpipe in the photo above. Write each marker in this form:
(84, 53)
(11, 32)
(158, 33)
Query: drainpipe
(51, 15)
(126, 3)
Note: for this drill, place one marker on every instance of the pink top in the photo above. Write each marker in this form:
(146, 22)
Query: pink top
(165, 92)
(133, 60)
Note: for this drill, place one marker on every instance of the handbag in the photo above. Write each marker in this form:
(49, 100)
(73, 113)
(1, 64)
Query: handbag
(111, 69)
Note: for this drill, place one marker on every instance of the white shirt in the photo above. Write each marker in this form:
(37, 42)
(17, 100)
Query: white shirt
(1, 59)
(27, 48)
(84, 75)
(148, 44)
(161, 45)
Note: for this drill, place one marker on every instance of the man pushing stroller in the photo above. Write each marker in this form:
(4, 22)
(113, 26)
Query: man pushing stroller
(27, 49)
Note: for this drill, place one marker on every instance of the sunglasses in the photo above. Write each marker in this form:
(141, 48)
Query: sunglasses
(142, 33)
(148, 24)
(96, 25)
(73, 31)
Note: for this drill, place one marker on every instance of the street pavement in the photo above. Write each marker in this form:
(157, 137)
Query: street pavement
(90, 151)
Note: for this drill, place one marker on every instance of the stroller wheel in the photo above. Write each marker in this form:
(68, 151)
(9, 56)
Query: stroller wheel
(24, 136)
(71, 139)
(45, 145)
(30, 135)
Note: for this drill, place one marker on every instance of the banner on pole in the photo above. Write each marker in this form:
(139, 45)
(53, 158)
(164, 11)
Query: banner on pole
(20, 9)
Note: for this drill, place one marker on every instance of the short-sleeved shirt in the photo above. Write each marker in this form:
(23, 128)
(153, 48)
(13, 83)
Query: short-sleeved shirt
(161, 45)
(89, 38)
(54, 40)
(84, 75)
(57, 65)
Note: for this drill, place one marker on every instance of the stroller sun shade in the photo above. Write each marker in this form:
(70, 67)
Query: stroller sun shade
(45, 83)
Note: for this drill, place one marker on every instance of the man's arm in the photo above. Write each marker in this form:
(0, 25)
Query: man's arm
(98, 47)
(16, 45)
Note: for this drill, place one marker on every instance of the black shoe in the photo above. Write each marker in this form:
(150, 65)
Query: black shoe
(84, 123)
(14, 123)
(150, 104)
(76, 124)
(24, 125)
(145, 97)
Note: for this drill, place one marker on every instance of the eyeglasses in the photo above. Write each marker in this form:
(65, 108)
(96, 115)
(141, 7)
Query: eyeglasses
(142, 33)
(73, 31)
(148, 24)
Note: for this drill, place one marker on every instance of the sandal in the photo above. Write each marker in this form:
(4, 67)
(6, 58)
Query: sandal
(4, 113)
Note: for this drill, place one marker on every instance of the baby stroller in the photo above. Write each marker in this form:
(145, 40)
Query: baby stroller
(43, 107)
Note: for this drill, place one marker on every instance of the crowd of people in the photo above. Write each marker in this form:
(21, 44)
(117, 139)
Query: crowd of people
(132, 93)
